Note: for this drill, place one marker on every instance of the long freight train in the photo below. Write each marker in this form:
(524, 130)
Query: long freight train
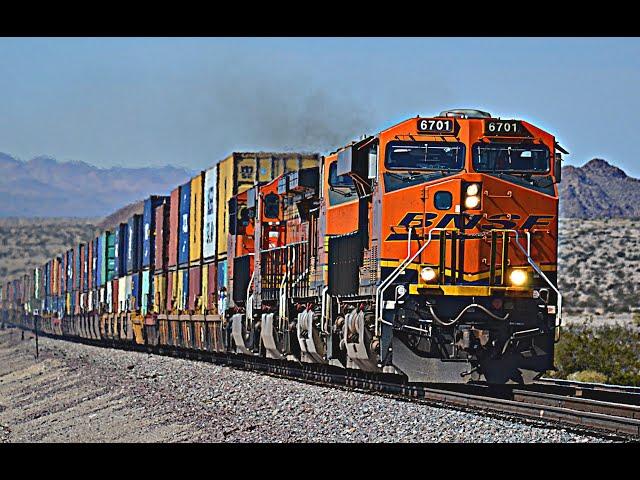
(428, 250)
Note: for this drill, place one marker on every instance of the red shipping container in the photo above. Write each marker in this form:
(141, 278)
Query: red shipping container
(212, 281)
(114, 296)
(160, 238)
(195, 287)
(174, 226)
(82, 250)
(90, 266)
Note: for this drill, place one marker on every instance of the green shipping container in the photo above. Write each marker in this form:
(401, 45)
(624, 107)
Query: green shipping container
(110, 255)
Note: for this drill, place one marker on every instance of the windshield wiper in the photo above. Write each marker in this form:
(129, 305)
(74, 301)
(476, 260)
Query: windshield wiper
(348, 193)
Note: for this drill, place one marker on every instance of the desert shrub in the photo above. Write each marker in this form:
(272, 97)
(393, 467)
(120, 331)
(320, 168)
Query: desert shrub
(611, 350)
(589, 376)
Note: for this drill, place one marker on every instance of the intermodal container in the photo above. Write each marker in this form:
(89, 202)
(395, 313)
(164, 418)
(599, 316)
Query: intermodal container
(160, 293)
(94, 262)
(195, 289)
(211, 287)
(183, 234)
(77, 268)
(134, 244)
(128, 305)
(210, 219)
(99, 261)
(70, 270)
(89, 263)
(110, 256)
(195, 218)
(150, 229)
(114, 295)
(183, 289)
(109, 296)
(136, 291)
(122, 293)
(222, 283)
(82, 252)
(171, 290)
(161, 237)
(146, 292)
(174, 227)
(120, 243)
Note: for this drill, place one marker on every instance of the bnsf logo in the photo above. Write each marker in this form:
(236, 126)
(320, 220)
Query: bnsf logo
(457, 220)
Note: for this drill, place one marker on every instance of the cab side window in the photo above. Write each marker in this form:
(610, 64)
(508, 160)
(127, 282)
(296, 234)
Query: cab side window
(341, 187)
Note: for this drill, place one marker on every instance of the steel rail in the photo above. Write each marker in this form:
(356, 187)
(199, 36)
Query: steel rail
(524, 402)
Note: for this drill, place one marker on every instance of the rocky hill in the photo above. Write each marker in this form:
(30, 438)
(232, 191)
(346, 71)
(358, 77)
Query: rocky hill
(45, 187)
(120, 216)
(598, 190)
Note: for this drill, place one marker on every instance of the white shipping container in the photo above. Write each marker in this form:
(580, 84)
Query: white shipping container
(109, 298)
(122, 294)
(210, 212)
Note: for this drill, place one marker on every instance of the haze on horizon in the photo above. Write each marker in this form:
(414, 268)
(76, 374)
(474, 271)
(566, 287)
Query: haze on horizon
(190, 101)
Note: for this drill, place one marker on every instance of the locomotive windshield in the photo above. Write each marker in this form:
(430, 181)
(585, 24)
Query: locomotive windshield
(434, 156)
(510, 157)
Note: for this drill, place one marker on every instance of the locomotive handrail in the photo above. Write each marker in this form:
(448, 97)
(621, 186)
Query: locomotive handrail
(409, 259)
(395, 274)
(536, 267)
(249, 303)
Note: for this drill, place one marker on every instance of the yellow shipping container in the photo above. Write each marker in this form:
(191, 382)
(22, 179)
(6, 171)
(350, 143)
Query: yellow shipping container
(180, 290)
(204, 290)
(160, 293)
(195, 218)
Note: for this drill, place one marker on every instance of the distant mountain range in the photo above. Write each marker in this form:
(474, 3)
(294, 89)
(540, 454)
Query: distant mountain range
(45, 187)
(598, 189)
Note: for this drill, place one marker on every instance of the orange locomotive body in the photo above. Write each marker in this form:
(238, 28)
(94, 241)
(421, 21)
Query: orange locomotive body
(428, 250)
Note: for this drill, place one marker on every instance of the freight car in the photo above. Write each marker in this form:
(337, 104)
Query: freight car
(428, 250)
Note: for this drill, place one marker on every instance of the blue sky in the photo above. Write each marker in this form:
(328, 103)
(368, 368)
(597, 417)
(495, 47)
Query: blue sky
(190, 101)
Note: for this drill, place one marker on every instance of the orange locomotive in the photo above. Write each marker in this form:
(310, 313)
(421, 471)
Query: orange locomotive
(428, 250)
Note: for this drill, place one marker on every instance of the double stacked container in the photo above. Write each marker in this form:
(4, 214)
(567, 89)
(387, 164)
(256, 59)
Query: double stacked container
(133, 262)
(196, 254)
(160, 254)
(149, 231)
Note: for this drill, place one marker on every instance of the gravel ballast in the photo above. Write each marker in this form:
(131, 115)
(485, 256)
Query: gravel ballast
(80, 393)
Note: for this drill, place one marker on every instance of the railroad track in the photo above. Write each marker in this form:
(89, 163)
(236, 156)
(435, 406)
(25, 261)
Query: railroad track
(609, 410)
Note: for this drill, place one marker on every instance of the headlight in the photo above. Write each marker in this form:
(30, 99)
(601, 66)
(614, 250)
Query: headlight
(401, 291)
(471, 202)
(518, 277)
(473, 189)
(427, 274)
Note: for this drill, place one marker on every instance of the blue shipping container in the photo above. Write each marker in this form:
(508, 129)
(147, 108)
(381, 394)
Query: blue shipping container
(185, 288)
(76, 268)
(120, 253)
(183, 237)
(70, 270)
(97, 258)
(134, 243)
(149, 229)
(94, 262)
(135, 290)
(85, 267)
